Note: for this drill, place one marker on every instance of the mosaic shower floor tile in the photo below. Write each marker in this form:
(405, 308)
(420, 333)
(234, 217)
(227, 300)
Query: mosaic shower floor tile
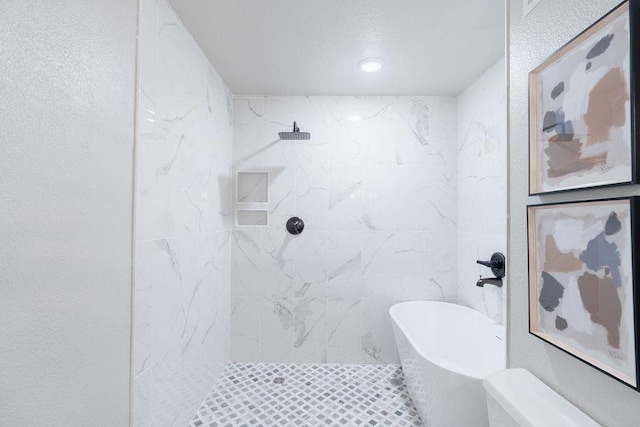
(272, 394)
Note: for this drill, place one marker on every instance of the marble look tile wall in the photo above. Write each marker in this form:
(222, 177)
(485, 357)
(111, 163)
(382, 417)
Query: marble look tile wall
(482, 189)
(379, 200)
(183, 222)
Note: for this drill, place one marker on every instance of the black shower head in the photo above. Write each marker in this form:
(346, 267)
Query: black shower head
(296, 135)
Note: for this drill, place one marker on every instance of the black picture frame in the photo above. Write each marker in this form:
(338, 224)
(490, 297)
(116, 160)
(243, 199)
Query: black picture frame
(545, 304)
(631, 8)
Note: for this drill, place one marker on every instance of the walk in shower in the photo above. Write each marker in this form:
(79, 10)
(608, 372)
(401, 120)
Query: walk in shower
(268, 254)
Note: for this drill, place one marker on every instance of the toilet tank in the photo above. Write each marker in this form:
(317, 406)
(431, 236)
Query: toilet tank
(515, 398)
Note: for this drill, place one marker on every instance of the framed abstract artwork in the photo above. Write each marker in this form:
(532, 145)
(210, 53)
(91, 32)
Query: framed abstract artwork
(582, 272)
(582, 108)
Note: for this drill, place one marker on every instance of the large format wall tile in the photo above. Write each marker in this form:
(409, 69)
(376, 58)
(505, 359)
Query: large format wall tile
(376, 336)
(381, 198)
(245, 328)
(489, 299)
(344, 263)
(482, 189)
(183, 218)
(379, 201)
(310, 322)
(345, 197)
(277, 264)
(276, 329)
(344, 317)
(312, 195)
(245, 263)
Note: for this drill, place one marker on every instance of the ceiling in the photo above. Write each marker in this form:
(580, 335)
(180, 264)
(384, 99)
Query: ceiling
(313, 47)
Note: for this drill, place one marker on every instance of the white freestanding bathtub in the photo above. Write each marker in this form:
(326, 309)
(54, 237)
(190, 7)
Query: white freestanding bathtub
(446, 350)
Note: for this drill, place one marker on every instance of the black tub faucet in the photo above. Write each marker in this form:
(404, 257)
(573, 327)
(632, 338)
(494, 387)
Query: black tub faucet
(495, 281)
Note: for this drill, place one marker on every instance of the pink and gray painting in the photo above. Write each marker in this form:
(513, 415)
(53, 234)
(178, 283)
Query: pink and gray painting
(584, 292)
(584, 108)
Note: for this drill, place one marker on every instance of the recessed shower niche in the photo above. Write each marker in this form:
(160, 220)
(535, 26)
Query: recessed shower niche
(252, 195)
(252, 187)
(252, 217)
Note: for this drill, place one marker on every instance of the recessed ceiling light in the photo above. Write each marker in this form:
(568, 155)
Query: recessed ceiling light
(371, 65)
(355, 118)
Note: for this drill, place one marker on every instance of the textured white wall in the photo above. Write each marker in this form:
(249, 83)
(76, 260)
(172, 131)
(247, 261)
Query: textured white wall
(66, 178)
(482, 189)
(183, 221)
(533, 39)
(379, 200)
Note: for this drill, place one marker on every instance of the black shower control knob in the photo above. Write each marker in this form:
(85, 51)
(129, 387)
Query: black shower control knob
(295, 225)
(496, 264)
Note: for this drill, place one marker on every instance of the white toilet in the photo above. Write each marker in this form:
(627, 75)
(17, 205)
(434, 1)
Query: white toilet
(515, 398)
